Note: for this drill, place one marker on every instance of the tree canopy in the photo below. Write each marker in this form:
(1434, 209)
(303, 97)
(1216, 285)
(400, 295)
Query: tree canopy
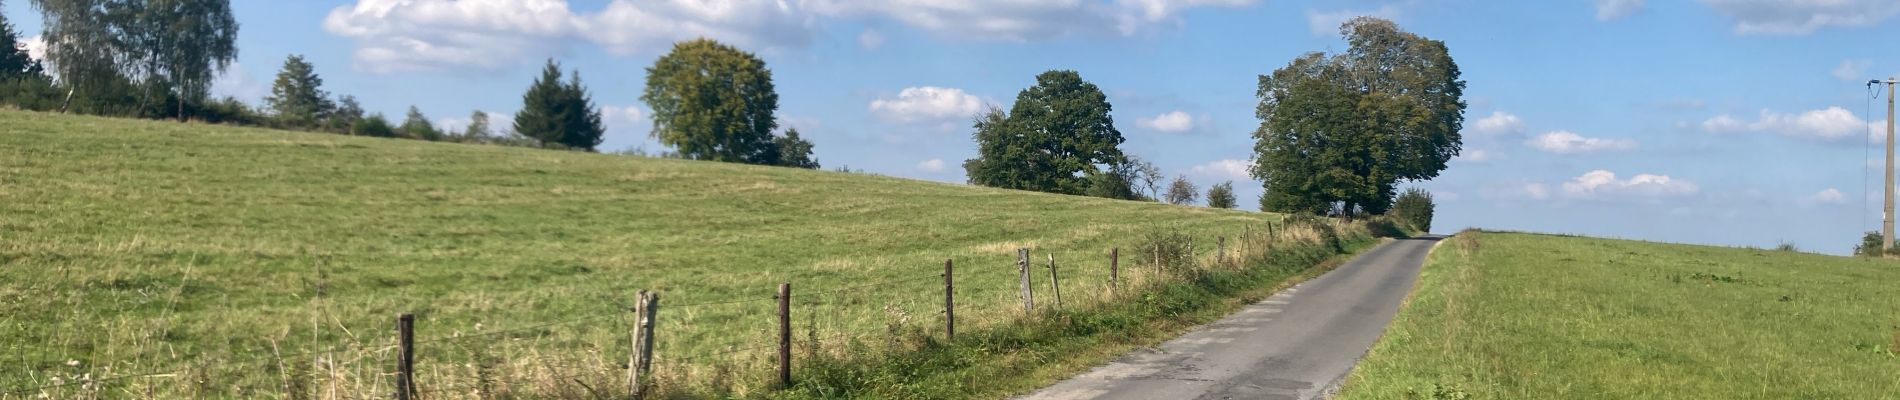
(1221, 195)
(794, 151)
(1340, 132)
(1182, 191)
(14, 60)
(177, 46)
(713, 102)
(1058, 137)
(561, 114)
(297, 97)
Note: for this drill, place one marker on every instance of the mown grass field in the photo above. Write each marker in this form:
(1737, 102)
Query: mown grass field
(1528, 316)
(236, 262)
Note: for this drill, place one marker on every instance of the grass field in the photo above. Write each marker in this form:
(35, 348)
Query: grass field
(1527, 316)
(225, 261)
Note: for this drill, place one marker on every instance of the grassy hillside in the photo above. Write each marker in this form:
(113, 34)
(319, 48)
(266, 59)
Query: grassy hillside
(1525, 316)
(222, 259)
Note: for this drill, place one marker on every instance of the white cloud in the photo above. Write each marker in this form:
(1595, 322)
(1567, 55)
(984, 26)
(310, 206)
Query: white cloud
(927, 103)
(1326, 23)
(1614, 9)
(1826, 196)
(238, 82)
(1603, 184)
(1170, 122)
(1829, 124)
(622, 117)
(1018, 20)
(1800, 17)
(931, 165)
(1224, 169)
(1566, 142)
(871, 39)
(35, 47)
(1852, 70)
(426, 35)
(1498, 122)
(1471, 155)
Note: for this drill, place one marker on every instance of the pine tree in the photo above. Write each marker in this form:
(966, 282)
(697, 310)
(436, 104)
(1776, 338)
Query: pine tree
(297, 96)
(417, 126)
(559, 114)
(15, 63)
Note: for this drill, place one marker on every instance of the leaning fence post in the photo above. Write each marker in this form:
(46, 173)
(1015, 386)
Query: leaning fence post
(1054, 282)
(949, 303)
(785, 334)
(1114, 270)
(645, 307)
(1022, 272)
(406, 357)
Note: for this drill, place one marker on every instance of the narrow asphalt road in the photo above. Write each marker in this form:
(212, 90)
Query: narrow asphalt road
(1297, 344)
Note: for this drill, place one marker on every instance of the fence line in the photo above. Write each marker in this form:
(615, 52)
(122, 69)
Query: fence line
(813, 303)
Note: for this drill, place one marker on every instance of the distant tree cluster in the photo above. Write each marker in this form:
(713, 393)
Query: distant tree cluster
(139, 58)
(1338, 133)
(559, 114)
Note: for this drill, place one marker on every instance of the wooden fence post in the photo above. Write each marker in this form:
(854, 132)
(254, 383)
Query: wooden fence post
(1114, 271)
(1022, 272)
(645, 307)
(406, 357)
(1157, 258)
(1054, 282)
(1220, 250)
(785, 335)
(949, 303)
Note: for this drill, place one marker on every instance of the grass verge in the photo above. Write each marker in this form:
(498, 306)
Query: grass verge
(1530, 316)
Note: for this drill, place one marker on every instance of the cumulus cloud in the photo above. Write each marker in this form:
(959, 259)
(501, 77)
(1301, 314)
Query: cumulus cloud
(1326, 23)
(1498, 122)
(1566, 142)
(1800, 17)
(931, 165)
(1223, 169)
(1823, 197)
(622, 117)
(927, 103)
(1829, 124)
(1852, 70)
(1603, 184)
(1614, 9)
(424, 35)
(1472, 155)
(1170, 122)
(35, 47)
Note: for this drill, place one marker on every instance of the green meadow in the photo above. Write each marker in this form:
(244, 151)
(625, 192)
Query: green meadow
(1529, 316)
(158, 259)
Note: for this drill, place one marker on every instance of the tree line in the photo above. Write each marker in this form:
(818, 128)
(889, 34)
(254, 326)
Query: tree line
(1338, 133)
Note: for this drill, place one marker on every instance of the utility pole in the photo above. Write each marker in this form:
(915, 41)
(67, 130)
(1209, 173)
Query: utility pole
(1887, 211)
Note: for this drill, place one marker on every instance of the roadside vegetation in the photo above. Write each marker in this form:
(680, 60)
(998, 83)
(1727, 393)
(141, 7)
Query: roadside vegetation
(1514, 315)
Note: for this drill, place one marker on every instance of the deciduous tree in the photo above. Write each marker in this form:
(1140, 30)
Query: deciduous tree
(1221, 195)
(713, 102)
(1182, 191)
(794, 151)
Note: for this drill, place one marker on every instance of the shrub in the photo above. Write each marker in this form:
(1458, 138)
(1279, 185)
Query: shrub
(1309, 227)
(1170, 247)
(1221, 195)
(1385, 226)
(1414, 208)
(1870, 246)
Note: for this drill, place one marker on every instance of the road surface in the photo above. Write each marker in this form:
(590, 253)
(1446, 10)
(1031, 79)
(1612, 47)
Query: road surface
(1297, 344)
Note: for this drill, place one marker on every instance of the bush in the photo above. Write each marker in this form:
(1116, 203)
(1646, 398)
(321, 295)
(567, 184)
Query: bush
(1221, 195)
(1414, 208)
(1870, 246)
(1173, 249)
(1385, 226)
(1304, 226)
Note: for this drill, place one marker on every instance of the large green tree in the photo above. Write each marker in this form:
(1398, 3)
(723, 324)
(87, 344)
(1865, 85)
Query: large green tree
(794, 151)
(1338, 133)
(557, 113)
(713, 102)
(297, 97)
(1058, 138)
(169, 47)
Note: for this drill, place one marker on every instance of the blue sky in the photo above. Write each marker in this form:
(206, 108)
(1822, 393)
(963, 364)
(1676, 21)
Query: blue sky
(1731, 122)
